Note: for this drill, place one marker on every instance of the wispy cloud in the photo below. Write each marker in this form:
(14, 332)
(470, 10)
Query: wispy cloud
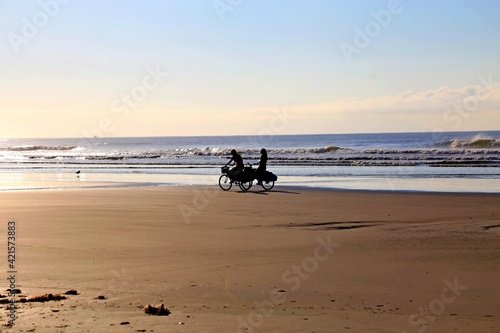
(436, 100)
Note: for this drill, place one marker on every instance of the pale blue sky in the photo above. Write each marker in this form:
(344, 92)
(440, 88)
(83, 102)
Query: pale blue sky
(229, 72)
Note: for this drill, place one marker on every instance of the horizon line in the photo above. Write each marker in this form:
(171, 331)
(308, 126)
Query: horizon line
(243, 135)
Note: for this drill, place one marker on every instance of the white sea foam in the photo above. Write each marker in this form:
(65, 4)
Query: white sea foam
(393, 149)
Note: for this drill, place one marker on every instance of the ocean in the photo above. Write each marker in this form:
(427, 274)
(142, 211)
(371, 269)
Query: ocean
(448, 161)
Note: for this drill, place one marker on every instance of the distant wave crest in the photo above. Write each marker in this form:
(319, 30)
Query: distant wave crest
(36, 148)
(212, 151)
(475, 143)
(479, 142)
(475, 152)
(207, 152)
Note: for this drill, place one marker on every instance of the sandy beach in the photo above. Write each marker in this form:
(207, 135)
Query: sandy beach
(291, 260)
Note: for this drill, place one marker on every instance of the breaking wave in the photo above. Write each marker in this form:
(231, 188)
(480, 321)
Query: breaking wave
(324, 156)
(477, 142)
(211, 151)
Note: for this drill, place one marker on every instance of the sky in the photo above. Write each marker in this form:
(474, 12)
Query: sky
(86, 68)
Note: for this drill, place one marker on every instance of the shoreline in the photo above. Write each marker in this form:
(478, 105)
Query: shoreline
(47, 181)
(252, 190)
(277, 188)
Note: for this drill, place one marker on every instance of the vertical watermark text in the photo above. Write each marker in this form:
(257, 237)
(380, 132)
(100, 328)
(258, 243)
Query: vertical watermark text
(12, 270)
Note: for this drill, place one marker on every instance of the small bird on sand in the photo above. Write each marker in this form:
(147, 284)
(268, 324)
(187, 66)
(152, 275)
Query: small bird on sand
(78, 173)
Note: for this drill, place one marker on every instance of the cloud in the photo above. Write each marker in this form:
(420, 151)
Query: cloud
(436, 100)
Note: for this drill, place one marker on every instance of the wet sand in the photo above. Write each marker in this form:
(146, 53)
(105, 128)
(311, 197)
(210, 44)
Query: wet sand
(291, 260)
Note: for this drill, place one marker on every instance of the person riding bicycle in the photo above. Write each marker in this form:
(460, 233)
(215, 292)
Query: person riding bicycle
(238, 160)
(262, 166)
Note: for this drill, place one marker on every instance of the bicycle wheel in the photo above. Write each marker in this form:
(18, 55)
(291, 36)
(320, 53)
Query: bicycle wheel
(225, 183)
(245, 186)
(268, 186)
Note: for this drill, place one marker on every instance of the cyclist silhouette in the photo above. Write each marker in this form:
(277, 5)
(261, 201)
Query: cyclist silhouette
(238, 161)
(259, 173)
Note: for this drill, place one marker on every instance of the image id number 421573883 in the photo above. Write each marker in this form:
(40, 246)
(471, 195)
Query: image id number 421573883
(12, 270)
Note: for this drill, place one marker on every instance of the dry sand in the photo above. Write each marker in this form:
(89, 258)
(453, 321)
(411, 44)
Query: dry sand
(292, 260)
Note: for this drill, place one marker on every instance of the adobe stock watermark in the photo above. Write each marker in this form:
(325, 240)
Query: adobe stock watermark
(200, 201)
(122, 106)
(31, 26)
(466, 106)
(120, 282)
(278, 122)
(420, 321)
(372, 29)
(293, 278)
(222, 7)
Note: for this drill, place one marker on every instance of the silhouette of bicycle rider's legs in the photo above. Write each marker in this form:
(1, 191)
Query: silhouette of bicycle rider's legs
(235, 171)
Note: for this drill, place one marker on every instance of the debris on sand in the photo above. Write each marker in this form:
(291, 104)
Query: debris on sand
(157, 310)
(46, 298)
(13, 291)
(71, 292)
(40, 298)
